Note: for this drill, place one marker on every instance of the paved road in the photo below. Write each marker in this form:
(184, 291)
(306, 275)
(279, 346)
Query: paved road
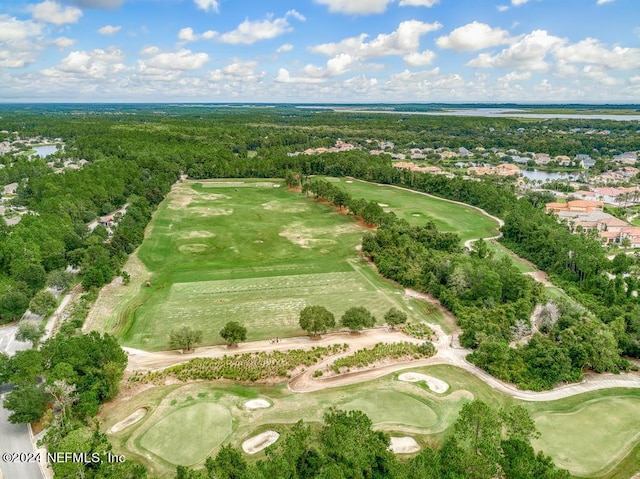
(14, 438)
(8, 342)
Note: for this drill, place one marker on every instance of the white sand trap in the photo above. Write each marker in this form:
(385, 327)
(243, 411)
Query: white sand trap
(384, 205)
(258, 443)
(348, 181)
(416, 214)
(128, 421)
(436, 385)
(257, 404)
(404, 445)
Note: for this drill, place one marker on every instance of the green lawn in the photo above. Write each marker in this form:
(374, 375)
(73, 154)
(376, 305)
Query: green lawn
(253, 252)
(594, 434)
(417, 209)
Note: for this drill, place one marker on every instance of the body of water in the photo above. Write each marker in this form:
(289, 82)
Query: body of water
(46, 150)
(499, 113)
(549, 175)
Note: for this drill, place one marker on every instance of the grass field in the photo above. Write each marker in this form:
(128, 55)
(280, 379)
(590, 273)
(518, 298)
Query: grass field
(253, 252)
(590, 434)
(417, 209)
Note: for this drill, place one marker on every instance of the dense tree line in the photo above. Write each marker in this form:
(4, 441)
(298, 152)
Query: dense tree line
(484, 443)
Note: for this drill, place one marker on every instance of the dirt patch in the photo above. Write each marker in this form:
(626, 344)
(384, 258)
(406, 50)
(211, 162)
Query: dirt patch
(541, 277)
(193, 248)
(257, 404)
(199, 234)
(207, 211)
(129, 420)
(304, 237)
(285, 207)
(404, 445)
(435, 384)
(212, 197)
(260, 442)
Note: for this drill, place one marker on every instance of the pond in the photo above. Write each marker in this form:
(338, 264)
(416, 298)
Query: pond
(544, 176)
(45, 150)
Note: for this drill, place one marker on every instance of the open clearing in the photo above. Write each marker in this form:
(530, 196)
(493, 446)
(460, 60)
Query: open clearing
(418, 208)
(217, 252)
(584, 433)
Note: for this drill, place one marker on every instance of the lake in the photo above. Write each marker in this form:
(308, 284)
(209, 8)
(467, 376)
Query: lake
(549, 175)
(46, 150)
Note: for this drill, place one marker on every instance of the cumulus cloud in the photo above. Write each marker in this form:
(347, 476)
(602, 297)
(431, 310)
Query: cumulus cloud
(249, 32)
(98, 64)
(52, 12)
(335, 66)
(418, 3)
(187, 35)
(517, 3)
(284, 76)
(63, 42)
(473, 36)
(287, 47)
(243, 71)
(12, 29)
(182, 60)
(405, 39)
(515, 76)
(109, 30)
(207, 5)
(422, 59)
(109, 4)
(527, 53)
(358, 7)
(591, 50)
(602, 2)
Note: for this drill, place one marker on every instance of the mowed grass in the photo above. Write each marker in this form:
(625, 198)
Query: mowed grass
(417, 209)
(251, 252)
(202, 426)
(593, 436)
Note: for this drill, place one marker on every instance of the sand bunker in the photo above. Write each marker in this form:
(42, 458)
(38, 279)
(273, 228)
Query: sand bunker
(258, 443)
(257, 404)
(436, 385)
(128, 421)
(404, 445)
(384, 205)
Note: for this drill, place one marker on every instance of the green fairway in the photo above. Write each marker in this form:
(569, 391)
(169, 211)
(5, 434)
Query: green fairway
(417, 209)
(591, 437)
(392, 408)
(188, 435)
(257, 254)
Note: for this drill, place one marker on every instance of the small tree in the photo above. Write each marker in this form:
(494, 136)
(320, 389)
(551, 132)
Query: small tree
(316, 320)
(42, 303)
(184, 338)
(393, 317)
(30, 331)
(358, 318)
(60, 279)
(28, 403)
(233, 333)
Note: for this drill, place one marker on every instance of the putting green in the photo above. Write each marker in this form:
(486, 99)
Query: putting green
(393, 408)
(592, 437)
(188, 435)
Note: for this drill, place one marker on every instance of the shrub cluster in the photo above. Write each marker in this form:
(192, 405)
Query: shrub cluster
(418, 330)
(382, 351)
(245, 367)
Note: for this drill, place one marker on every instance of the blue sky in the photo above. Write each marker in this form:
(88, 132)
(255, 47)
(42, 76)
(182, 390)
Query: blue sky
(320, 50)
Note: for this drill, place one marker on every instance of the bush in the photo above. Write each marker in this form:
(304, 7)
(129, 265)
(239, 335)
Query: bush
(382, 351)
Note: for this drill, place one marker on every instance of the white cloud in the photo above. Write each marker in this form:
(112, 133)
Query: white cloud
(150, 50)
(416, 59)
(517, 3)
(12, 29)
(602, 2)
(591, 50)
(287, 47)
(110, 4)
(249, 32)
(98, 64)
(109, 30)
(358, 7)
(239, 71)
(181, 60)
(52, 12)
(187, 35)
(527, 53)
(473, 36)
(63, 42)
(418, 3)
(284, 76)
(405, 39)
(207, 5)
(502, 8)
(515, 76)
(338, 65)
